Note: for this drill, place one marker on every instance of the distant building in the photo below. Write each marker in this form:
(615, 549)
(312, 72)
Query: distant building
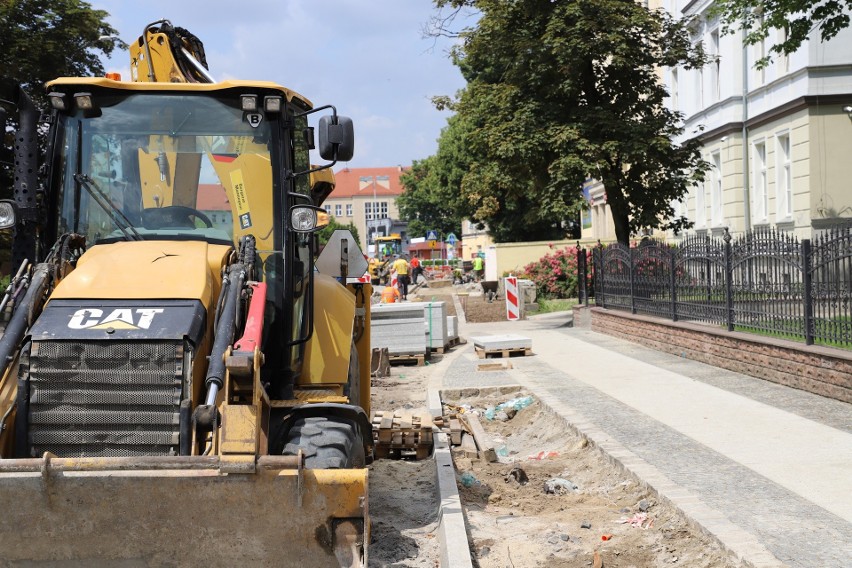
(366, 197)
(213, 201)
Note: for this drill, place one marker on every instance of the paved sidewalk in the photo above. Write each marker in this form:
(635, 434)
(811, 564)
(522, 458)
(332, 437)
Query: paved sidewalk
(765, 468)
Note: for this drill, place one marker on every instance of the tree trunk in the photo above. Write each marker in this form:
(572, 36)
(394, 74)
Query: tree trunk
(620, 211)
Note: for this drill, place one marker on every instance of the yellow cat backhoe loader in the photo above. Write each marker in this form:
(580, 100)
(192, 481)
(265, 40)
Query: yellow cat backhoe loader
(182, 382)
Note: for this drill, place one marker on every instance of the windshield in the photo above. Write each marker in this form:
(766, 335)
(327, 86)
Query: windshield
(174, 166)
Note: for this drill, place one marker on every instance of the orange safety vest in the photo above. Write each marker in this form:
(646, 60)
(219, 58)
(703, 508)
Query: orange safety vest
(390, 295)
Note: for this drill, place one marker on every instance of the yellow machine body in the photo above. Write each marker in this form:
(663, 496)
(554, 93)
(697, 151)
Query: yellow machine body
(229, 499)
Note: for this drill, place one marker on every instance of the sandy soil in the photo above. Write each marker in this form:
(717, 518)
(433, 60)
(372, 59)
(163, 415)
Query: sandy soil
(597, 510)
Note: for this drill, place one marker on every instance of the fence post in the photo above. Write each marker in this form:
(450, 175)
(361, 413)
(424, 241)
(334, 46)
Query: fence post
(581, 274)
(632, 281)
(809, 299)
(673, 283)
(597, 258)
(729, 282)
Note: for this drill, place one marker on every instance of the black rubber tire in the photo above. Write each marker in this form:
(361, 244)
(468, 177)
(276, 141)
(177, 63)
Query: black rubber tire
(328, 442)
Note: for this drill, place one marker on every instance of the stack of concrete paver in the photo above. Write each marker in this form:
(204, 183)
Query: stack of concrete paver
(452, 329)
(435, 314)
(504, 345)
(409, 328)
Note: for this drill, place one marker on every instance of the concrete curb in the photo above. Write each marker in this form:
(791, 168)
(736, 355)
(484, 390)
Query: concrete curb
(452, 530)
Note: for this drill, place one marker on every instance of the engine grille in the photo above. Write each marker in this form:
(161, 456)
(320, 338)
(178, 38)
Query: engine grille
(109, 399)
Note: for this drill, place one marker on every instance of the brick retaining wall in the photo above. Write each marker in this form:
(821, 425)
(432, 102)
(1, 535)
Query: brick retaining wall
(821, 370)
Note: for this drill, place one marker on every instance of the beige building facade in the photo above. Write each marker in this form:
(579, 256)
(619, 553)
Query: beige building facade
(777, 139)
(366, 197)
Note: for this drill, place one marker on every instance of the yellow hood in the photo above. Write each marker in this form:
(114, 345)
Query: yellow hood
(147, 269)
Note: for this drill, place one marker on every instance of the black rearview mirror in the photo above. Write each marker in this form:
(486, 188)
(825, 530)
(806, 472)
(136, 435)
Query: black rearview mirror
(336, 138)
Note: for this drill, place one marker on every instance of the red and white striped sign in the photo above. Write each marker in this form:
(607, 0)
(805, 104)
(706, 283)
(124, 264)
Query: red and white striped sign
(394, 281)
(365, 279)
(513, 311)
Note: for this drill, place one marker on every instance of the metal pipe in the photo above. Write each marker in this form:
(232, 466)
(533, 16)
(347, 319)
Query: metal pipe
(18, 325)
(198, 66)
(746, 189)
(224, 333)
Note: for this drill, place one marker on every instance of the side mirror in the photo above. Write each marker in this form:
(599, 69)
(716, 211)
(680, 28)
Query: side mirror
(8, 214)
(336, 138)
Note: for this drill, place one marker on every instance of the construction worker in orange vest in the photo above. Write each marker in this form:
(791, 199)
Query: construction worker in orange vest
(390, 294)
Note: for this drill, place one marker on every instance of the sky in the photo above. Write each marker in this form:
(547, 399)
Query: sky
(368, 58)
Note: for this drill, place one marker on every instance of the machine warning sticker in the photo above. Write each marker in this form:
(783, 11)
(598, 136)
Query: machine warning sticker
(254, 119)
(241, 199)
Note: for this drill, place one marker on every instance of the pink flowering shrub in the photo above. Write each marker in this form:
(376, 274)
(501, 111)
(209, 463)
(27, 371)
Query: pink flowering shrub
(555, 274)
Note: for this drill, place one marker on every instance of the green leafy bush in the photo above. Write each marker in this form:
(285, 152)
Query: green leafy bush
(555, 274)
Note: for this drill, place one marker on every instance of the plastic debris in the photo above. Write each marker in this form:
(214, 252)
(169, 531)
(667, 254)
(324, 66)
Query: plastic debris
(543, 455)
(557, 486)
(606, 537)
(468, 479)
(515, 404)
(500, 446)
(639, 520)
(518, 475)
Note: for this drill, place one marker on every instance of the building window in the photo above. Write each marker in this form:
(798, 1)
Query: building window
(715, 69)
(700, 207)
(328, 209)
(368, 211)
(674, 92)
(784, 177)
(716, 190)
(338, 210)
(759, 190)
(782, 60)
(383, 210)
(348, 209)
(759, 53)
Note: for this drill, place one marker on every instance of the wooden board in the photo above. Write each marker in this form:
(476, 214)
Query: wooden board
(418, 359)
(504, 353)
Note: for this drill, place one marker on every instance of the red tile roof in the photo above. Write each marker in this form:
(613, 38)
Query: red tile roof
(356, 182)
(212, 197)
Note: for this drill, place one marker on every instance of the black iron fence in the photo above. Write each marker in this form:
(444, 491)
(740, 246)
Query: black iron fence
(762, 282)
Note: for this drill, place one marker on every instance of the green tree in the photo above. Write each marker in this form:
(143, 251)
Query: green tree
(426, 204)
(325, 233)
(41, 40)
(562, 91)
(796, 17)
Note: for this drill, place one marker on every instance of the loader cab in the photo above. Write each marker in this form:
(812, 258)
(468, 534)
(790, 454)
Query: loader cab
(184, 162)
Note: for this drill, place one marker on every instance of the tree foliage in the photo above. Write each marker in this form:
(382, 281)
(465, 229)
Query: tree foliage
(562, 91)
(429, 202)
(798, 18)
(325, 233)
(41, 40)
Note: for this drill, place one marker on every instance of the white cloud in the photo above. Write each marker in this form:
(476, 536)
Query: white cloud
(369, 59)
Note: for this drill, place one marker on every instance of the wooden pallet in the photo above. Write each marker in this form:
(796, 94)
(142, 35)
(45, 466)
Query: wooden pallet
(419, 359)
(511, 352)
(400, 434)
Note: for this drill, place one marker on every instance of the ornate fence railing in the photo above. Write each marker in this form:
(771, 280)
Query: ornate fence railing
(763, 282)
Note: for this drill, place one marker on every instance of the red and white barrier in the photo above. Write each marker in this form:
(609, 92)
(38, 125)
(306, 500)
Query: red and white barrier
(394, 281)
(513, 310)
(365, 279)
